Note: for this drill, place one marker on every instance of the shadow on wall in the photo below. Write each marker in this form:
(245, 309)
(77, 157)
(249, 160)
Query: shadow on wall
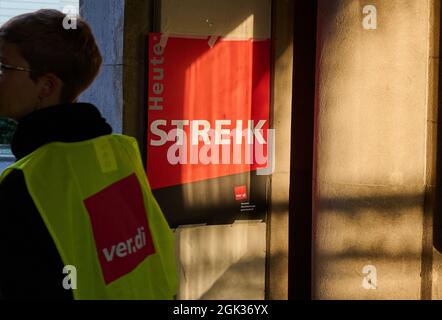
(222, 262)
(242, 280)
(378, 229)
(361, 217)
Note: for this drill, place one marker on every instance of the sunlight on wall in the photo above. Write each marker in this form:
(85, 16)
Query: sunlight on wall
(371, 149)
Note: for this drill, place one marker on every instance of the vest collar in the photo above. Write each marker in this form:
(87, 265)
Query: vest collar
(62, 123)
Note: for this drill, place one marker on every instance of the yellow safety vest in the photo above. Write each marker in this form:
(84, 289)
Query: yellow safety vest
(96, 202)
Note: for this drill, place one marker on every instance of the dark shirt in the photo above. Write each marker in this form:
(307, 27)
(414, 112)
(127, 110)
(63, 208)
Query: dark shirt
(30, 266)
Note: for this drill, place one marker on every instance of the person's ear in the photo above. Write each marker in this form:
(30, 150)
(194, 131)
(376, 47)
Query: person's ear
(50, 85)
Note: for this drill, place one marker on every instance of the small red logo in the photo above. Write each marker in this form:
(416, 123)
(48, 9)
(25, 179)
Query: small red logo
(241, 193)
(120, 227)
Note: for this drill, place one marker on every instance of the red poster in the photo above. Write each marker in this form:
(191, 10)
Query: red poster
(208, 108)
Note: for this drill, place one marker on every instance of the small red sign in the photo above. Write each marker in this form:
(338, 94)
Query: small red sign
(120, 227)
(241, 193)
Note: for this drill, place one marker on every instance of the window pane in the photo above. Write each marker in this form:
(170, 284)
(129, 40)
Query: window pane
(11, 8)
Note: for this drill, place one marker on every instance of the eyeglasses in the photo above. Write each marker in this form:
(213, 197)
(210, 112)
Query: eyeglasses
(4, 66)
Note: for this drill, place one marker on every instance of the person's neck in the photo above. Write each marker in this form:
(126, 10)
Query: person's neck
(63, 123)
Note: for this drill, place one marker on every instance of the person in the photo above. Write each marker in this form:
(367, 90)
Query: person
(78, 218)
